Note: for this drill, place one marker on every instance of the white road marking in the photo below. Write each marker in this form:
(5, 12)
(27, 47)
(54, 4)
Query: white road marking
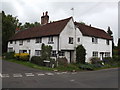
(17, 75)
(29, 74)
(74, 73)
(59, 73)
(64, 72)
(49, 73)
(40, 74)
(5, 75)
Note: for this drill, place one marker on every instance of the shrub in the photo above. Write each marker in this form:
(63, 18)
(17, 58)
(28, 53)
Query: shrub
(86, 66)
(80, 54)
(95, 60)
(37, 60)
(107, 60)
(62, 61)
(9, 55)
(22, 56)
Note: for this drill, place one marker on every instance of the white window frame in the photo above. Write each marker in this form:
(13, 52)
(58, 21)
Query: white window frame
(61, 53)
(50, 40)
(107, 54)
(37, 52)
(53, 53)
(21, 42)
(10, 49)
(38, 40)
(94, 40)
(78, 39)
(95, 54)
(107, 42)
(70, 40)
(28, 40)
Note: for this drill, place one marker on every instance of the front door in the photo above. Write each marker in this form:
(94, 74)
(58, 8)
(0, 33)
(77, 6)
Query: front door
(101, 55)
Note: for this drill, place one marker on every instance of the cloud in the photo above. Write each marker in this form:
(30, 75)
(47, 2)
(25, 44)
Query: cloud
(100, 14)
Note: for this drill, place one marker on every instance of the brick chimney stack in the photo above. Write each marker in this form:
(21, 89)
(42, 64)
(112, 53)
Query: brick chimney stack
(45, 18)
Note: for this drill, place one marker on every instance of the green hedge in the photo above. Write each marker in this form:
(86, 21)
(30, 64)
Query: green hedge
(37, 60)
(9, 55)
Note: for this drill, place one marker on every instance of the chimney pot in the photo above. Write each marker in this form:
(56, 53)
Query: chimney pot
(46, 13)
(43, 13)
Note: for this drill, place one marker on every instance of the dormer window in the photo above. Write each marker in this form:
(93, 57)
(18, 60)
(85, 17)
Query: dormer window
(38, 40)
(50, 40)
(94, 40)
(21, 42)
(70, 40)
(107, 42)
(28, 40)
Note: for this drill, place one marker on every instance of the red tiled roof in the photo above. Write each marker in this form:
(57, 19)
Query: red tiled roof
(92, 31)
(49, 29)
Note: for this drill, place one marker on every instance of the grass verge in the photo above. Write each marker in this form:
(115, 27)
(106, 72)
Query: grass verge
(69, 67)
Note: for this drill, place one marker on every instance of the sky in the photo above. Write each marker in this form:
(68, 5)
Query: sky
(95, 12)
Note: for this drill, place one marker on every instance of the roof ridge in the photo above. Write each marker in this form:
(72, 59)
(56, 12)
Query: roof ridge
(91, 26)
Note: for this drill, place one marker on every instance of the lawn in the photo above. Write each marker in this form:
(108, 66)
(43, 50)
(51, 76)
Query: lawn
(69, 67)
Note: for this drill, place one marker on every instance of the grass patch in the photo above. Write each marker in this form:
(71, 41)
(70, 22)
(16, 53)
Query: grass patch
(69, 67)
(29, 64)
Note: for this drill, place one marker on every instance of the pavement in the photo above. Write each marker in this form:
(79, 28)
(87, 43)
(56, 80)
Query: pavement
(19, 76)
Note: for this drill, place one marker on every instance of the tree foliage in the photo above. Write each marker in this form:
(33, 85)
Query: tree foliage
(80, 54)
(9, 24)
(109, 31)
(46, 52)
(28, 25)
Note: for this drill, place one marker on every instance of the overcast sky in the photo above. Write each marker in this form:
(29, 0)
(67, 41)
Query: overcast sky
(95, 12)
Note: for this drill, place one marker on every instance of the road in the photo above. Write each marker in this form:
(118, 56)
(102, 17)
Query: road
(19, 76)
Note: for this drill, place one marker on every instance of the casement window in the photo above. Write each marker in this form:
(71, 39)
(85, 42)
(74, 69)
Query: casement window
(70, 40)
(107, 54)
(22, 51)
(37, 52)
(28, 40)
(61, 53)
(38, 40)
(94, 40)
(107, 42)
(15, 42)
(11, 42)
(78, 39)
(53, 53)
(21, 42)
(10, 49)
(95, 54)
(50, 40)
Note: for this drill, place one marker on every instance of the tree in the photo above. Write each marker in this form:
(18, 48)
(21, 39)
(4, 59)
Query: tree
(82, 23)
(46, 52)
(109, 31)
(29, 25)
(9, 24)
(80, 54)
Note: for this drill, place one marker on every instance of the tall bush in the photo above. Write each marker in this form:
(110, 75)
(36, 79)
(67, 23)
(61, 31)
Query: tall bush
(37, 60)
(46, 52)
(80, 54)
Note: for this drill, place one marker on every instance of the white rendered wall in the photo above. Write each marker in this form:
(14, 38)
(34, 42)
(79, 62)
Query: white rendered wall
(32, 45)
(69, 31)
